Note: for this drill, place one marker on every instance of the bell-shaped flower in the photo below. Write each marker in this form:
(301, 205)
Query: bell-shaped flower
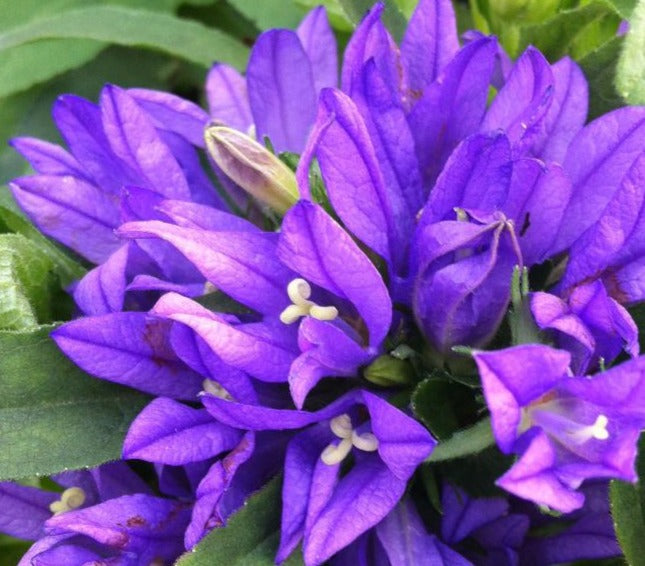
(566, 429)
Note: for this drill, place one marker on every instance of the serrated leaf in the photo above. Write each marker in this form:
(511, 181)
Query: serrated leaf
(630, 70)
(250, 537)
(26, 277)
(393, 18)
(599, 68)
(628, 512)
(464, 443)
(53, 416)
(186, 39)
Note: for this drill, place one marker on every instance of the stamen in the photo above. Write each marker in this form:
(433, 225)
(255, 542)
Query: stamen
(71, 498)
(216, 389)
(299, 292)
(366, 441)
(599, 428)
(341, 426)
(335, 454)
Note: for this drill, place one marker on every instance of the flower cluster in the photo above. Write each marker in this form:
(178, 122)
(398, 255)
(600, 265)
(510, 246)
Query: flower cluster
(282, 315)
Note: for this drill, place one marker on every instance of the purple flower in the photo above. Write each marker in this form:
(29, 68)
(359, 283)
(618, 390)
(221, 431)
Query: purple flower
(566, 428)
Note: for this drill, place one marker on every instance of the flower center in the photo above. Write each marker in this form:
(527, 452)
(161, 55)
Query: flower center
(299, 292)
(341, 426)
(71, 498)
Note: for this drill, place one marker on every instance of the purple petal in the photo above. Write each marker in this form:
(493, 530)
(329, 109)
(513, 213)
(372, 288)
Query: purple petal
(403, 442)
(192, 215)
(24, 510)
(71, 211)
(47, 158)
(169, 432)
(115, 479)
(362, 498)
(407, 543)
(102, 290)
(149, 526)
(69, 548)
(226, 259)
(172, 113)
(316, 247)
(133, 137)
(228, 100)
(530, 80)
(303, 455)
(429, 43)
(79, 121)
(507, 390)
(319, 43)
(452, 107)
(263, 351)
(567, 113)
(532, 478)
(599, 157)
(281, 90)
(130, 348)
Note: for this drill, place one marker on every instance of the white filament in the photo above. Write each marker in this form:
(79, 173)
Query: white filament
(341, 426)
(299, 292)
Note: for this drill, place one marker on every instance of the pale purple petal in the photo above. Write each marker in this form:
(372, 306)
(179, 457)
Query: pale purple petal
(47, 158)
(172, 113)
(193, 215)
(135, 140)
(23, 510)
(429, 43)
(72, 211)
(228, 101)
(281, 90)
(130, 348)
(316, 247)
(226, 259)
(169, 432)
(319, 43)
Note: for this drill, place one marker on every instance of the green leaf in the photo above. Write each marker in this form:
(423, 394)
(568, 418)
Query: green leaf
(574, 32)
(464, 443)
(393, 18)
(250, 537)
(337, 16)
(12, 550)
(186, 39)
(628, 512)
(270, 13)
(53, 416)
(599, 67)
(26, 276)
(623, 7)
(630, 71)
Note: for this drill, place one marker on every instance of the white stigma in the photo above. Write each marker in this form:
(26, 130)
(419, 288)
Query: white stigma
(71, 498)
(599, 428)
(341, 426)
(299, 292)
(216, 389)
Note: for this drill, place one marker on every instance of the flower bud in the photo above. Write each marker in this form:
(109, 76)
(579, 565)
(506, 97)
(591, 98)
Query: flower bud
(389, 371)
(252, 167)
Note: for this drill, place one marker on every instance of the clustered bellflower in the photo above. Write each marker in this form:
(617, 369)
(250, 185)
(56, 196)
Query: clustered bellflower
(395, 239)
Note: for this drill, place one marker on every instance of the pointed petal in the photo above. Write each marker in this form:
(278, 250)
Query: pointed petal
(228, 101)
(24, 510)
(507, 390)
(71, 211)
(319, 43)
(130, 348)
(429, 43)
(48, 158)
(316, 247)
(169, 432)
(135, 140)
(281, 90)
(193, 215)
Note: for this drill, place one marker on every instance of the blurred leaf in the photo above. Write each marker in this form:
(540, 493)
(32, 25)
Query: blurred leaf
(464, 443)
(571, 31)
(623, 7)
(186, 39)
(337, 16)
(53, 416)
(250, 538)
(392, 16)
(628, 512)
(12, 550)
(599, 67)
(270, 13)
(26, 277)
(630, 71)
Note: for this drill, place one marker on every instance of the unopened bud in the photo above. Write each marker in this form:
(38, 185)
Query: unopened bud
(252, 167)
(389, 371)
